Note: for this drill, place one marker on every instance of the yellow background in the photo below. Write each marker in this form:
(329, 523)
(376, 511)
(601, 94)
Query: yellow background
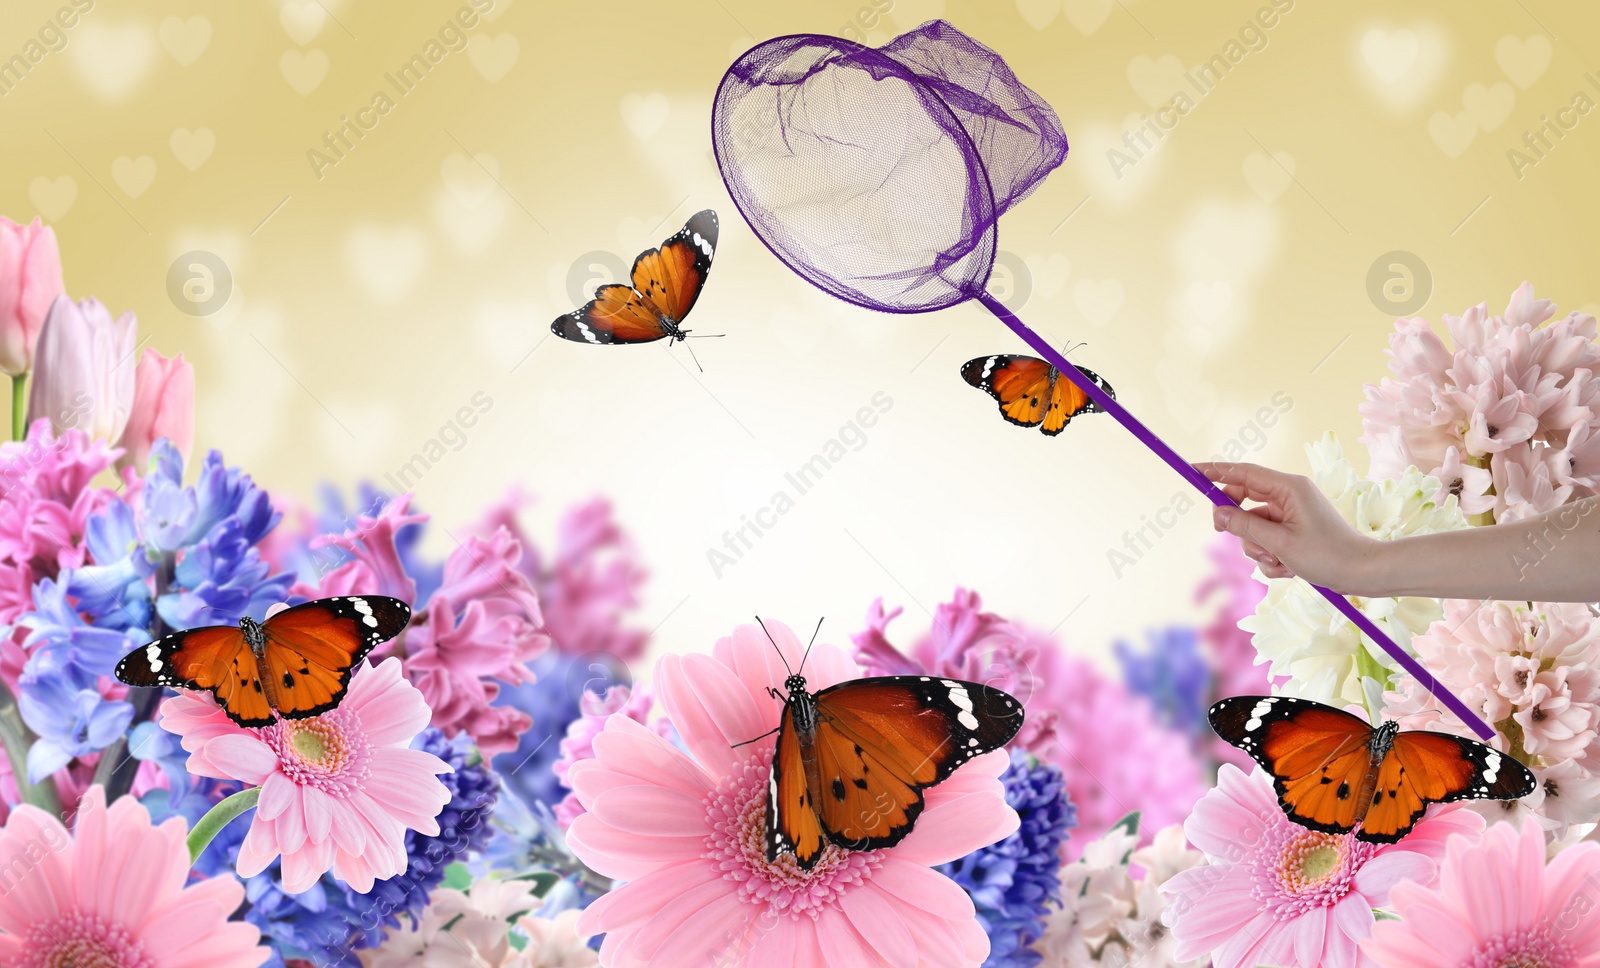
(371, 304)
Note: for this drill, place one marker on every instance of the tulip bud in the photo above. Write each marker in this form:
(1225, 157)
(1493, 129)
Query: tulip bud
(30, 280)
(84, 369)
(163, 406)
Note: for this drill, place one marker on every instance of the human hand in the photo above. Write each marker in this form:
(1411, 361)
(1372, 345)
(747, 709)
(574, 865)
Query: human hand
(1295, 530)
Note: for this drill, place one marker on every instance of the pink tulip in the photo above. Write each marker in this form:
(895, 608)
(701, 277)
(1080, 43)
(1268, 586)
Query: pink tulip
(163, 406)
(84, 370)
(30, 280)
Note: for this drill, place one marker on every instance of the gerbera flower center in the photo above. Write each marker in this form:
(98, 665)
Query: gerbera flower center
(737, 814)
(82, 941)
(1319, 863)
(308, 744)
(1305, 869)
(1527, 948)
(329, 752)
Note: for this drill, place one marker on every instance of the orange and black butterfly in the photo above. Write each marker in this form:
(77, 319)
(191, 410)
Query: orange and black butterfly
(852, 760)
(666, 283)
(1032, 393)
(1335, 772)
(296, 663)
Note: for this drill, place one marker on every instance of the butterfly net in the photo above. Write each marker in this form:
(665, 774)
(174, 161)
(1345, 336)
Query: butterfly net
(878, 173)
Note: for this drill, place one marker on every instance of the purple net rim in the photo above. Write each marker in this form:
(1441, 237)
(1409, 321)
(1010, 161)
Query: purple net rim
(947, 120)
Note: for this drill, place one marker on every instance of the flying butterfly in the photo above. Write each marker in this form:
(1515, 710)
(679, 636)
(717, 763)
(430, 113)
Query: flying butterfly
(1334, 772)
(1031, 392)
(296, 663)
(851, 761)
(666, 283)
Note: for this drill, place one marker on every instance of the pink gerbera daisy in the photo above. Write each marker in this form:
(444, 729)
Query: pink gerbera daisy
(337, 791)
(112, 894)
(1496, 905)
(1277, 893)
(687, 833)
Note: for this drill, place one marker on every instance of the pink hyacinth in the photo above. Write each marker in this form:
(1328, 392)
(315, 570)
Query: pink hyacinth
(1505, 419)
(1533, 671)
(337, 790)
(1070, 707)
(968, 643)
(114, 893)
(46, 500)
(376, 568)
(1276, 893)
(587, 584)
(1498, 904)
(1145, 766)
(481, 627)
(686, 832)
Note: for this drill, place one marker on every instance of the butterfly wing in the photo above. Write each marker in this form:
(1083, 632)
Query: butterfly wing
(881, 741)
(1067, 401)
(311, 648)
(617, 314)
(792, 824)
(215, 658)
(1319, 757)
(1424, 767)
(1021, 384)
(671, 277)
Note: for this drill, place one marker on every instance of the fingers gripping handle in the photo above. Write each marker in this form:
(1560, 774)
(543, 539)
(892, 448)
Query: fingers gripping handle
(1215, 494)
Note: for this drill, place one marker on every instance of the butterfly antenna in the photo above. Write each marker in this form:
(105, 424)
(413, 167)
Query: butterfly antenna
(693, 357)
(813, 641)
(775, 645)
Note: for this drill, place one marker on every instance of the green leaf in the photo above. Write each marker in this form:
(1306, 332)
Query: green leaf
(456, 876)
(1129, 824)
(218, 817)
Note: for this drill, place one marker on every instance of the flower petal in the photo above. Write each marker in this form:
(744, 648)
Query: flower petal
(876, 920)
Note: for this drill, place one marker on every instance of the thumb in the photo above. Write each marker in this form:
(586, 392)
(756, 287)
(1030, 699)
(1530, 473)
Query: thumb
(1270, 535)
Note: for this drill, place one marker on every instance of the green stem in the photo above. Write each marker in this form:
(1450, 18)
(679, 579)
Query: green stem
(218, 817)
(1369, 668)
(19, 406)
(17, 738)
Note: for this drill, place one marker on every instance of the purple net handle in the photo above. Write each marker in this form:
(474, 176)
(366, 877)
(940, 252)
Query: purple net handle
(1109, 404)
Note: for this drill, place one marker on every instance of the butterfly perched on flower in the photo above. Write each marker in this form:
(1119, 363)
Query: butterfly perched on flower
(1031, 392)
(851, 761)
(296, 663)
(666, 283)
(1335, 772)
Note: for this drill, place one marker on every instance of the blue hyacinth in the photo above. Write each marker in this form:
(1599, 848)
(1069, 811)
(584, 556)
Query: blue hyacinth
(196, 546)
(1015, 882)
(552, 700)
(330, 923)
(1172, 674)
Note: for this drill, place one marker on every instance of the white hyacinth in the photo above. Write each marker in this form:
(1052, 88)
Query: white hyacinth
(1301, 634)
